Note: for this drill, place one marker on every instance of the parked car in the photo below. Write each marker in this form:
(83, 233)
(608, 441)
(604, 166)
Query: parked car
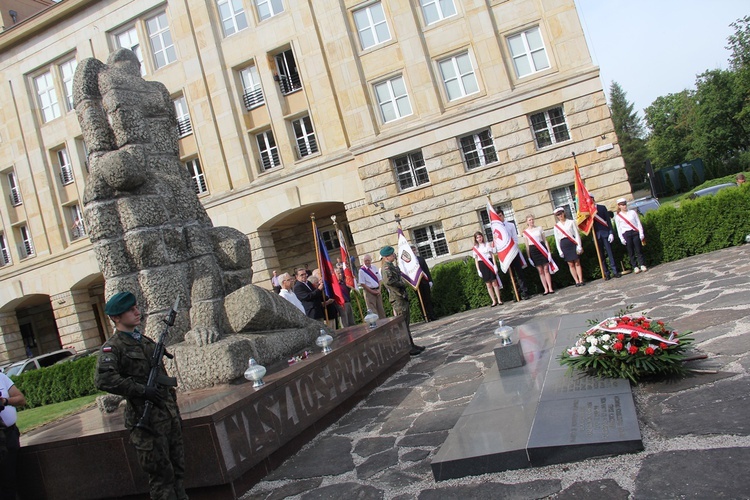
(41, 361)
(711, 190)
(644, 205)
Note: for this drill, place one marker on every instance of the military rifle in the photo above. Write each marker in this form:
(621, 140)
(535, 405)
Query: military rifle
(155, 376)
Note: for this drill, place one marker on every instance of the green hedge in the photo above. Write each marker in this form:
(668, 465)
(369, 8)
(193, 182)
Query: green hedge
(57, 383)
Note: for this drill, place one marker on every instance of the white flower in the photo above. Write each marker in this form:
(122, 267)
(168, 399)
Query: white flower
(611, 323)
(591, 340)
(573, 351)
(593, 350)
(606, 347)
(581, 349)
(605, 337)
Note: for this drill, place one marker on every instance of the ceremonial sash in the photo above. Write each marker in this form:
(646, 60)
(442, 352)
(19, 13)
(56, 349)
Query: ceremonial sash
(543, 250)
(371, 274)
(601, 221)
(491, 265)
(619, 214)
(559, 228)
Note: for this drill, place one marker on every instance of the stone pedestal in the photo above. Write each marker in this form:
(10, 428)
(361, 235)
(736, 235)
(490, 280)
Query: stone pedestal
(509, 356)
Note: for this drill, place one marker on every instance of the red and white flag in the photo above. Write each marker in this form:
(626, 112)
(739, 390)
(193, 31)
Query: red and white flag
(346, 262)
(407, 261)
(504, 243)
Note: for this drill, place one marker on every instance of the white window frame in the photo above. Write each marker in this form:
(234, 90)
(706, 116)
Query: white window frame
(252, 92)
(459, 77)
(435, 11)
(410, 170)
(77, 227)
(184, 125)
(268, 150)
(304, 135)
(128, 39)
(26, 248)
(370, 21)
(430, 241)
(287, 72)
(15, 192)
(163, 51)
(508, 213)
(330, 240)
(66, 169)
(5, 258)
(47, 96)
(268, 8)
(67, 70)
(195, 170)
(528, 52)
(232, 16)
(483, 146)
(564, 197)
(393, 99)
(549, 127)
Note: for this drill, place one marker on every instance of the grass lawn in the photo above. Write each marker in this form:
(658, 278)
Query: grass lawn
(36, 417)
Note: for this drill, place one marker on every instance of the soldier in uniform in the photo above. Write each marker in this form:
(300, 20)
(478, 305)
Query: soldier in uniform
(397, 292)
(123, 368)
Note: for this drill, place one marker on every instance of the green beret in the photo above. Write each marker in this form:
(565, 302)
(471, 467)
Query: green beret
(119, 303)
(386, 251)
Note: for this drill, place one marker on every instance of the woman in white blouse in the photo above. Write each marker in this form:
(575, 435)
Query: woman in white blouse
(630, 231)
(486, 267)
(568, 242)
(538, 252)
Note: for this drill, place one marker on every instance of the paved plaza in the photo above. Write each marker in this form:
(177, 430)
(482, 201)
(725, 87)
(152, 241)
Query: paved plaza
(695, 431)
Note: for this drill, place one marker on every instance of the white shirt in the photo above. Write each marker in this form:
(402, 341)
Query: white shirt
(366, 279)
(289, 295)
(623, 227)
(9, 414)
(486, 249)
(570, 227)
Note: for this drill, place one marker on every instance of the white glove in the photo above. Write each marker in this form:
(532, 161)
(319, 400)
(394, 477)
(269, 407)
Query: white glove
(579, 249)
(431, 283)
(561, 255)
(622, 241)
(531, 261)
(479, 273)
(610, 238)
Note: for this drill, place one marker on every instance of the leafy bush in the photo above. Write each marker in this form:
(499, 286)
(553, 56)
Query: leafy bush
(57, 383)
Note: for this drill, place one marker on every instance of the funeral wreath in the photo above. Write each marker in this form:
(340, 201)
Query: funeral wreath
(628, 346)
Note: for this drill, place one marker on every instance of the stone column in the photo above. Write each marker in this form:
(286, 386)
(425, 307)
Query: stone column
(265, 258)
(11, 342)
(76, 323)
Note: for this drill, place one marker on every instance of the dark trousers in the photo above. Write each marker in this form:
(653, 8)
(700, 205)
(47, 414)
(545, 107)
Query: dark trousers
(9, 464)
(517, 266)
(425, 293)
(635, 249)
(605, 245)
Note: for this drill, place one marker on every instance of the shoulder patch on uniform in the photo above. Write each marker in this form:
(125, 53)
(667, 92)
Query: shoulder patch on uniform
(107, 348)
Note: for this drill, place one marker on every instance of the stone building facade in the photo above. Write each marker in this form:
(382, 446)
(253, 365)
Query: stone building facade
(363, 110)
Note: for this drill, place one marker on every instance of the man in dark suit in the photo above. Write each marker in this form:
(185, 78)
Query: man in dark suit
(605, 236)
(310, 296)
(425, 286)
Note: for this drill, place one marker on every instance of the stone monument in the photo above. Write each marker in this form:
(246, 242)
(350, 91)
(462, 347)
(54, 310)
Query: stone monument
(152, 236)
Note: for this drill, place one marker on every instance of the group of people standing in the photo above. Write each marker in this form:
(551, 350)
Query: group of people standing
(569, 246)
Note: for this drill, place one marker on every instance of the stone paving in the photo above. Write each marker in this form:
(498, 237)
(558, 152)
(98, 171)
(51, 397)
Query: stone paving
(696, 431)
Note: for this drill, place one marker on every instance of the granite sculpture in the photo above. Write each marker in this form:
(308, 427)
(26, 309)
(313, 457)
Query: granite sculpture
(153, 237)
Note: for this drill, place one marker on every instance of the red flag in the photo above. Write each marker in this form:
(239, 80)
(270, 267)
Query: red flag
(327, 273)
(346, 261)
(586, 207)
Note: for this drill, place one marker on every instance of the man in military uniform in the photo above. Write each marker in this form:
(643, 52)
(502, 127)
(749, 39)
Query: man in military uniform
(123, 368)
(397, 292)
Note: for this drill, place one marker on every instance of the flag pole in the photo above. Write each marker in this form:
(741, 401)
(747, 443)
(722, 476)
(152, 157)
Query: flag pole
(317, 259)
(593, 226)
(419, 294)
(339, 235)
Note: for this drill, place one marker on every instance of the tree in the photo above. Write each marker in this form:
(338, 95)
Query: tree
(670, 119)
(629, 130)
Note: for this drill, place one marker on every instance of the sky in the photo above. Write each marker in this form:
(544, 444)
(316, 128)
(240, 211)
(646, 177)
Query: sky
(657, 47)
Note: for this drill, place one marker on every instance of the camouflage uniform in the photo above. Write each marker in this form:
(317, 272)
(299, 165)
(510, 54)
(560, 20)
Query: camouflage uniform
(396, 290)
(123, 368)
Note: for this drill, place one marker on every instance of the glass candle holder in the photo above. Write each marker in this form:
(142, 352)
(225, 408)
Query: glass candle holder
(255, 372)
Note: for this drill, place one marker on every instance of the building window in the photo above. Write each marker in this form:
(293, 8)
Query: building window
(232, 15)
(458, 76)
(67, 69)
(66, 170)
(45, 91)
(286, 73)
(26, 249)
(162, 47)
(15, 192)
(269, 152)
(252, 93)
(430, 241)
(393, 99)
(196, 173)
(184, 127)
(305, 136)
(269, 8)
(77, 228)
(549, 127)
(565, 197)
(4, 252)
(478, 149)
(371, 25)
(437, 10)
(128, 39)
(330, 240)
(410, 170)
(528, 53)
(508, 213)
